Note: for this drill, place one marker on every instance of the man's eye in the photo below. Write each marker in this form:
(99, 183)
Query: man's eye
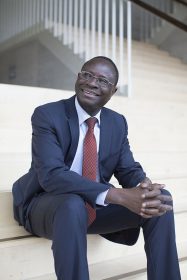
(87, 75)
(102, 81)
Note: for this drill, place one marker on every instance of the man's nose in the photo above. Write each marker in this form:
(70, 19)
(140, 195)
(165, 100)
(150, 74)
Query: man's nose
(93, 82)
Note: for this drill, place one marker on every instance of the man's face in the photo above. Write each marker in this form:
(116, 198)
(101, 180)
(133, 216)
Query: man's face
(91, 94)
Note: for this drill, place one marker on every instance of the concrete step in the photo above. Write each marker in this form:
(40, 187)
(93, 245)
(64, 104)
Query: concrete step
(112, 268)
(135, 106)
(19, 257)
(160, 92)
(137, 274)
(149, 97)
(183, 268)
(163, 164)
(32, 96)
(134, 275)
(101, 250)
(157, 58)
(158, 164)
(15, 93)
(11, 95)
(119, 269)
(101, 253)
(43, 277)
(139, 49)
(164, 91)
(24, 258)
(143, 59)
(13, 168)
(154, 74)
(9, 227)
(145, 135)
(168, 136)
(159, 113)
(15, 140)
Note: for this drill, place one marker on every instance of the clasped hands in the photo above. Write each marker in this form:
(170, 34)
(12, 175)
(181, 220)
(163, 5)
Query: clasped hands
(154, 202)
(146, 199)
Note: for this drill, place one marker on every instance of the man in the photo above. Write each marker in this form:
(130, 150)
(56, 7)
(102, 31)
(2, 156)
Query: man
(66, 193)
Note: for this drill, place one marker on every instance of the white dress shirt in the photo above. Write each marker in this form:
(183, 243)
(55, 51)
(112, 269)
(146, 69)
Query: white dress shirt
(77, 162)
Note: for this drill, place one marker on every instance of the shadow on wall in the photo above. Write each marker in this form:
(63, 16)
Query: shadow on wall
(31, 64)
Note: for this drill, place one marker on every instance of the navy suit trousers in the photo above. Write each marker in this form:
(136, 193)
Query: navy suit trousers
(63, 219)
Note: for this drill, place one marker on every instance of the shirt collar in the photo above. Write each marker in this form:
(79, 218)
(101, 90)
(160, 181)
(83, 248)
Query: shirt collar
(83, 115)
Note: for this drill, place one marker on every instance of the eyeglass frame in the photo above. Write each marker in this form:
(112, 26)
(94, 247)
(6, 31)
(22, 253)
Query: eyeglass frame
(93, 76)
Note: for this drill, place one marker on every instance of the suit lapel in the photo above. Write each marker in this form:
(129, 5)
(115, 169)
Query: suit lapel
(71, 114)
(106, 130)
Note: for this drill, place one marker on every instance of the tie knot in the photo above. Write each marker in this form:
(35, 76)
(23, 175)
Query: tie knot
(91, 122)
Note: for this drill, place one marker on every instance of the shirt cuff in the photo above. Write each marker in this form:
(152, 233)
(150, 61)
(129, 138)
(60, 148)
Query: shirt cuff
(100, 200)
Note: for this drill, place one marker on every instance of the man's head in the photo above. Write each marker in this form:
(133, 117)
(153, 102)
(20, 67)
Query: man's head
(96, 83)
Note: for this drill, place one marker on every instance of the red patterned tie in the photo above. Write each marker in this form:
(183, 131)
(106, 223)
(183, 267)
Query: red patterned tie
(89, 165)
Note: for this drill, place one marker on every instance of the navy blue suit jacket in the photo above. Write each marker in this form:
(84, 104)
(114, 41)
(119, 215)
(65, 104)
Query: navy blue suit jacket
(54, 143)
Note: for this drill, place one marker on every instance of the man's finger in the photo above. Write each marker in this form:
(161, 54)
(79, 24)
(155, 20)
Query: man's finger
(157, 186)
(165, 208)
(150, 211)
(151, 203)
(164, 198)
(152, 193)
(152, 186)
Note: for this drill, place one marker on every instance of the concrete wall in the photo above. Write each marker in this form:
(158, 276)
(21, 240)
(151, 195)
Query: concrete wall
(176, 44)
(32, 64)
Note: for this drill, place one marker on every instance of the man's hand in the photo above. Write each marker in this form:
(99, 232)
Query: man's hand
(149, 206)
(134, 200)
(145, 199)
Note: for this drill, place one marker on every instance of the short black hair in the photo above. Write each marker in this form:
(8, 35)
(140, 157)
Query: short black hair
(109, 60)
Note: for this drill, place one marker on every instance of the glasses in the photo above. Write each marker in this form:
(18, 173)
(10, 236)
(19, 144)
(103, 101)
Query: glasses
(102, 82)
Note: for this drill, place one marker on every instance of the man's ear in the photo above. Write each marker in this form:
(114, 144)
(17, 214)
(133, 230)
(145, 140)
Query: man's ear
(113, 91)
(116, 88)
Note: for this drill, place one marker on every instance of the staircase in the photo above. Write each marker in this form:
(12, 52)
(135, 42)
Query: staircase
(169, 38)
(77, 30)
(157, 116)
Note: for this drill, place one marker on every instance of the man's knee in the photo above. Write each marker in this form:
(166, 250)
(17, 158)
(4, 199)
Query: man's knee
(166, 192)
(73, 207)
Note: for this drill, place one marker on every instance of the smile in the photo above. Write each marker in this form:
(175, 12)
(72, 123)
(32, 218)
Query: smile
(91, 93)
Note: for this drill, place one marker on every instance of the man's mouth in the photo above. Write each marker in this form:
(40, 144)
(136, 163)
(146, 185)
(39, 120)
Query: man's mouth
(90, 93)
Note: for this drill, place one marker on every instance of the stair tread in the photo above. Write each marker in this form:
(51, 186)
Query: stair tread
(118, 269)
(9, 227)
(98, 269)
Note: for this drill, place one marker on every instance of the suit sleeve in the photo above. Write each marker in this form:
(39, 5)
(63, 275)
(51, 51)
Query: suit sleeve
(48, 159)
(128, 172)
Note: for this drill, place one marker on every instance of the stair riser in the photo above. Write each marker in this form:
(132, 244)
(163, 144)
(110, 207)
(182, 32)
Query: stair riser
(24, 255)
(156, 169)
(9, 227)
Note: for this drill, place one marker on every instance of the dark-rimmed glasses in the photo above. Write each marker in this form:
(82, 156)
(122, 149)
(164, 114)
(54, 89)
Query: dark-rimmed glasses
(102, 82)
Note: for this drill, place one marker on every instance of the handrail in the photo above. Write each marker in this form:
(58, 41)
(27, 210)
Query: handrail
(183, 2)
(161, 14)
